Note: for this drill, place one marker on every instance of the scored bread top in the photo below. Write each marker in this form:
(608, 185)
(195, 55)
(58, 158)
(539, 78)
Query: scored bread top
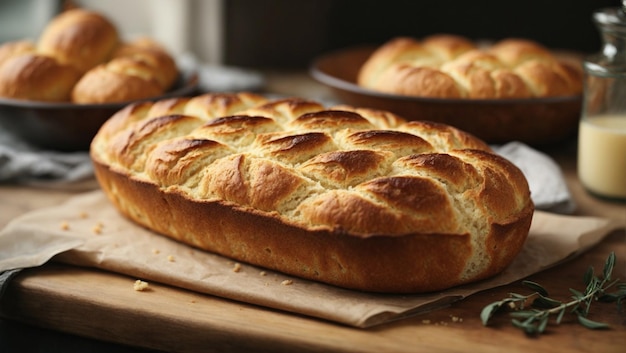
(450, 66)
(352, 172)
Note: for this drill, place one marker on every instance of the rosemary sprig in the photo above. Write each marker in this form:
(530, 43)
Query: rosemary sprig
(533, 319)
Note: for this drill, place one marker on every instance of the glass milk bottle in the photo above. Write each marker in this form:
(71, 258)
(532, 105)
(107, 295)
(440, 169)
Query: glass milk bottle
(602, 133)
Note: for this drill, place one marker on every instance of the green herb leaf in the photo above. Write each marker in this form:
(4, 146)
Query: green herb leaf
(536, 320)
(590, 324)
(608, 266)
(543, 324)
(518, 296)
(577, 294)
(488, 312)
(588, 276)
(560, 316)
(528, 328)
(545, 302)
(523, 314)
(536, 287)
(608, 298)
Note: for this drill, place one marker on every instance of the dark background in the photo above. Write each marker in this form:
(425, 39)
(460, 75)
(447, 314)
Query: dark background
(286, 33)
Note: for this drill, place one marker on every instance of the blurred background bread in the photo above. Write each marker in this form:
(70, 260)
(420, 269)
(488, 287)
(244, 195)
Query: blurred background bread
(80, 57)
(152, 54)
(31, 76)
(15, 48)
(451, 66)
(119, 80)
(79, 38)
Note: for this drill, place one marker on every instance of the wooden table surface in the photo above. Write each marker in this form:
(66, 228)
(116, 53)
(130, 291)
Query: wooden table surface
(102, 305)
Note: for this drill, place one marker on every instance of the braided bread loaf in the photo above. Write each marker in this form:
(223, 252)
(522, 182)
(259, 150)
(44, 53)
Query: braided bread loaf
(448, 66)
(80, 57)
(353, 197)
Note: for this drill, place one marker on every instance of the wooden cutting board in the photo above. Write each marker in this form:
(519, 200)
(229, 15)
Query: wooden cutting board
(105, 306)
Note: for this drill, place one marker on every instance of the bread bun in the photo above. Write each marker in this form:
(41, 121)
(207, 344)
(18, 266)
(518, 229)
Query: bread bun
(353, 197)
(79, 38)
(448, 66)
(86, 42)
(154, 55)
(15, 48)
(37, 77)
(121, 79)
(138, 69)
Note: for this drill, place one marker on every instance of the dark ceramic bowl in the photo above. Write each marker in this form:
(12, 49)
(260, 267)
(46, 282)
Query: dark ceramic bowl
(68, 126)
(536, 121)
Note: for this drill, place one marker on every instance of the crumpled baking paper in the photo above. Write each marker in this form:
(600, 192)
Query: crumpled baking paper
(88, 231)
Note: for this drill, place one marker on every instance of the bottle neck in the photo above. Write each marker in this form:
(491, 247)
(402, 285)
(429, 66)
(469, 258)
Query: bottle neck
(611, 24)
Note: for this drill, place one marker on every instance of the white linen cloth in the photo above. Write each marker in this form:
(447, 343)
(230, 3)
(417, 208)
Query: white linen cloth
(547, 185)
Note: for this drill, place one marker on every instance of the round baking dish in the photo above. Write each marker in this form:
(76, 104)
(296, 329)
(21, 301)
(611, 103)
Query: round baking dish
(68, 126)
(536, 121)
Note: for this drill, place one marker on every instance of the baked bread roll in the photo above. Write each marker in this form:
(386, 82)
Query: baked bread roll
(37, 77)
(448, 66)
(353, 197)
(119, 80)
(110, 71)
(79, 38)
(138, 70)
(155, 56)
(11, 49)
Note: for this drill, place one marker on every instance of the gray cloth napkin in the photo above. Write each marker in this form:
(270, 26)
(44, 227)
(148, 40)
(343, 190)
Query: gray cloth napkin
(25, 164)
(548, 188)
(220, 78)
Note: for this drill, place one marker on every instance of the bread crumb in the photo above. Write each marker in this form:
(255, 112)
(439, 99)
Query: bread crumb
(83, 215)
(426, 322)
(263, 273)
(287, 282)
(170, 258)
(156, 251)
(140, 285)
(237, 267)
(65, 225)
(456, 318)
(97, 229)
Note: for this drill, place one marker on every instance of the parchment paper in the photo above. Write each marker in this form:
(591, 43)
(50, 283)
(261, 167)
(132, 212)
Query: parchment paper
(88, 231)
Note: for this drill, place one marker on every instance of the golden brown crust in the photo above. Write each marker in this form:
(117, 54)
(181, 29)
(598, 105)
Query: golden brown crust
(120, 80)
(315, 192)
(15, 48)
(88, 43)
(445, 66)
(80, 38)
(152, 54)
(37, 77)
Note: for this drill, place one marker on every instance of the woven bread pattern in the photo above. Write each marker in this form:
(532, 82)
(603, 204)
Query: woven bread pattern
(351, 173)
(448, 66)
